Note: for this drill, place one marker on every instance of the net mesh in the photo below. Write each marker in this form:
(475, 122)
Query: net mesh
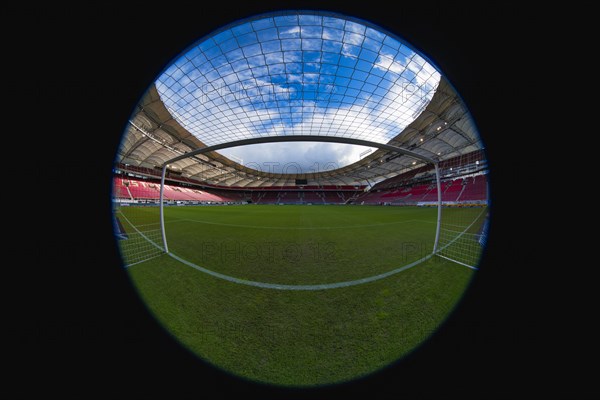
(465, 213)
(136, 217)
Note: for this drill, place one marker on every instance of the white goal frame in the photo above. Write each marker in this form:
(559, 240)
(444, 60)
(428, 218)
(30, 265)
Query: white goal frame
(304, 138)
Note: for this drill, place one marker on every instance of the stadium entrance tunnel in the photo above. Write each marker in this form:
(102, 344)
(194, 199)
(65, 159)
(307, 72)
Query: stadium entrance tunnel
(302, 276)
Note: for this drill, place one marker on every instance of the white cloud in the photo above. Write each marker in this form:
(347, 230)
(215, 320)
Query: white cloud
(425, 74)
(389, 64)
(291, 32)
(296, 157)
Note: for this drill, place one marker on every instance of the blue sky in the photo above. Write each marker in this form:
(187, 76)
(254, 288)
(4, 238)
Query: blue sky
(297, 75)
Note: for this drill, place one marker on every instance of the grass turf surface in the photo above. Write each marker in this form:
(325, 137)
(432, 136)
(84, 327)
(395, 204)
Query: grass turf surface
(297, 338)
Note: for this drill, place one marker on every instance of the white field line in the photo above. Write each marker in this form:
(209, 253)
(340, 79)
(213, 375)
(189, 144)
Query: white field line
(324, 286)
(144, 260)
(277, 286)
(458, 262)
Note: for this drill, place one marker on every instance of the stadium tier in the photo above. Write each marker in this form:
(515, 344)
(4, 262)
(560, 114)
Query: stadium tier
(131, 189)
(467, 189)
(474, 188)
(142, 190)
(459, 190)
(463, 181)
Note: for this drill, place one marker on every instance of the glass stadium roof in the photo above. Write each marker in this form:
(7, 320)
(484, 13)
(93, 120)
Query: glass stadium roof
(297, 74)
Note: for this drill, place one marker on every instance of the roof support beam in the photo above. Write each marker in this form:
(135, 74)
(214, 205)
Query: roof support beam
(302, 138)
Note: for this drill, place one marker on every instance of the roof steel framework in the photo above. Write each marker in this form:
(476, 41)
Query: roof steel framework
(301, 74)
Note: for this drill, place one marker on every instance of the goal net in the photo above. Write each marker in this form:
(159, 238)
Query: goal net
(465, 213)
(136, 221)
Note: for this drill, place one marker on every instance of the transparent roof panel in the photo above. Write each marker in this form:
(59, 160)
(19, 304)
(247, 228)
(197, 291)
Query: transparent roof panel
(297, 75)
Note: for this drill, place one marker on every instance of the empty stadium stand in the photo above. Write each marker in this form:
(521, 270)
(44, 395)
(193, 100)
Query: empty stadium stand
(462, 184)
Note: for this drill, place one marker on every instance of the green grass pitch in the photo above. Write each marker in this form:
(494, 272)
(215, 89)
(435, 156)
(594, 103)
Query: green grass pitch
(292, 337)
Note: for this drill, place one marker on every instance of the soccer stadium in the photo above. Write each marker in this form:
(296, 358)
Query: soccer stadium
(301, 198)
